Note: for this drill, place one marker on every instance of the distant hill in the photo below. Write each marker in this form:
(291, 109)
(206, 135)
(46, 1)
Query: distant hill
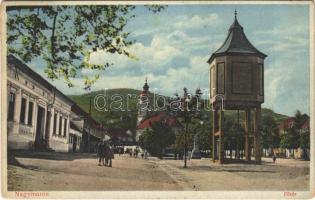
(123, 102)
(124, 110)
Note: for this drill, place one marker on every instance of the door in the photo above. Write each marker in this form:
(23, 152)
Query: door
(39, 125)
(74, 143)
(48, 117)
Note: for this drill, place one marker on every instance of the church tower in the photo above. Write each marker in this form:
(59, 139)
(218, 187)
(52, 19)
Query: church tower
(143, 105)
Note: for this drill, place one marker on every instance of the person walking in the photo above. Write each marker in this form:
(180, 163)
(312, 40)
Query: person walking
(100, 153)
(111, 156)
(274, 158)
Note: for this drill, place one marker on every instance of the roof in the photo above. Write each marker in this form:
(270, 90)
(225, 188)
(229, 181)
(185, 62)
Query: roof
(286, 123)
(74, 127)
(236, 43)
(86, 116)
(38, 78)
(171, 121)
(289, 122)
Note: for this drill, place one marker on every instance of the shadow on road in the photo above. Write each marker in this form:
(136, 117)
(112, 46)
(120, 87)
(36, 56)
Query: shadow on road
(13, 161)
(227, 169)
(13, 154)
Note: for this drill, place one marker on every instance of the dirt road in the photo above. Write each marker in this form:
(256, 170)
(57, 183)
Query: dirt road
(79, 172)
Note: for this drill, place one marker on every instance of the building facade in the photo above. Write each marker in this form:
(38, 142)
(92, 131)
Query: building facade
(40, 117)
(38, 113)
(283, 129)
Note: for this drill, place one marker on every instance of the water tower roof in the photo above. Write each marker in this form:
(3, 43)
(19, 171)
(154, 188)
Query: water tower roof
(236, 43)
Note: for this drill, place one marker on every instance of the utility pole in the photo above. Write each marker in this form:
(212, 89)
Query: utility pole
(185, 138)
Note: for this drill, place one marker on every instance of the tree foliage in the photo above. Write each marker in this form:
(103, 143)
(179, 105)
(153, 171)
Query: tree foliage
(233, 134)
(65, 36)
(157, 138)
(269, 132)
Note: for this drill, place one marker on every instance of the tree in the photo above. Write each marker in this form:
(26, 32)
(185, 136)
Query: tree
(269, 133)
(304, 136)
(157, 138)
(65, 36)
(233, 135)
(290, 140)
(305, 143)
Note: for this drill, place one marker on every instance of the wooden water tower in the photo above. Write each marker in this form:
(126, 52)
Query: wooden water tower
(236, 83)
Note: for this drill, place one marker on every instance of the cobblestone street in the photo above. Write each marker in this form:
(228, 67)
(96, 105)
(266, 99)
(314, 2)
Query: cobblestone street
(79, 172)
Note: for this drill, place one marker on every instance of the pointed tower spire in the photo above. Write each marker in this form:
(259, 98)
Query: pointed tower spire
(146, 86)
(235, 14)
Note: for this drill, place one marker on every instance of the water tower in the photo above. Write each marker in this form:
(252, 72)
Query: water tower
(236, 83)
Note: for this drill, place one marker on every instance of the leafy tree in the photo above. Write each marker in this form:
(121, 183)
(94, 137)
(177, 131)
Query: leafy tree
(290, 140)
(269, 133)
(233, 135)
(157, 138)
(204, 137)
(65, 36)
(305, 143)
(299, 120)
(304, 137)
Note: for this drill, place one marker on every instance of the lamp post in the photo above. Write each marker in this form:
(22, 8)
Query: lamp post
(190, 103)
(186, 113)
(88, 89)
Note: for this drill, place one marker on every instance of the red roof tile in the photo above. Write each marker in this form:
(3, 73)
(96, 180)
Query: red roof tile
(169, 120)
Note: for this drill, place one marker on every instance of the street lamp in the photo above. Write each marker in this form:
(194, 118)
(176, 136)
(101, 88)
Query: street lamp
(88, 89)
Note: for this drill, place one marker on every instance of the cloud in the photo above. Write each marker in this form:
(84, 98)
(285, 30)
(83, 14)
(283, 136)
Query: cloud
(283, 39)
(159, 52)
(197, 21)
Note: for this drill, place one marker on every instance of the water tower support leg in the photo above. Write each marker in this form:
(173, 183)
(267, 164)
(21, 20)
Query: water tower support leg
(247, 130)
(257, 134)
(221, 150)
(214, 125)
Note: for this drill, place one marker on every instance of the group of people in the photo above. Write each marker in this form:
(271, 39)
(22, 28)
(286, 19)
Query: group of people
(135, 152)
(105, 154)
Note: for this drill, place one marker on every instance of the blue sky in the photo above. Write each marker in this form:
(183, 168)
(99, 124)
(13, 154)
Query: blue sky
(173, 46)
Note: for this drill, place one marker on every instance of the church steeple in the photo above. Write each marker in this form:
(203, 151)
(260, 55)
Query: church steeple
(146, 86)
(144, 102)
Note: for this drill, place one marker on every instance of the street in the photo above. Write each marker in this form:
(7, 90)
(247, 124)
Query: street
(79, 172)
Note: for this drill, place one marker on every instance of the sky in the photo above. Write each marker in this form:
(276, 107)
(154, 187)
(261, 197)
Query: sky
(173, 47)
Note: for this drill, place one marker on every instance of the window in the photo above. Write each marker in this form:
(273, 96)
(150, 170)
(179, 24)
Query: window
(23, 110)
(60, 125)
(65, 128)
(220, 78)
(242, 78)
(212, 81)
(30, 113)
(261, 79)
(55, 123)
(11, 106)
